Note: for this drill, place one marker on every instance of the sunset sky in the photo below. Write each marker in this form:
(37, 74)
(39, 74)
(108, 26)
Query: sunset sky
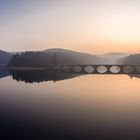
(95, 26)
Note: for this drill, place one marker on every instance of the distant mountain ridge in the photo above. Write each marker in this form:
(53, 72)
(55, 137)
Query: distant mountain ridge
(101, 60)
(113, 58)
(63, 56)
(5, 57)
(131, 60)
(115, 53)
(53, 56)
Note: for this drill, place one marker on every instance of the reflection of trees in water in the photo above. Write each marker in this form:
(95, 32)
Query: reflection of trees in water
(32, 76)
(134, 75)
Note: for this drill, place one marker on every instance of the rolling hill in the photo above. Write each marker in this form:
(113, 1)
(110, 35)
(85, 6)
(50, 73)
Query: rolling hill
(54, 57)
(4, 57)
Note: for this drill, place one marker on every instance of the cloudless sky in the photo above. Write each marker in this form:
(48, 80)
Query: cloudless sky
(96, 26)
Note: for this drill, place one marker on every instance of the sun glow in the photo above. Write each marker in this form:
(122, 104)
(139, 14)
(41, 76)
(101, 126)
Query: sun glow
(90, 26)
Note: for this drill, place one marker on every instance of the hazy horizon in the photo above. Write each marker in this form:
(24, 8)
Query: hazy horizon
(92, 53)
(94, 26)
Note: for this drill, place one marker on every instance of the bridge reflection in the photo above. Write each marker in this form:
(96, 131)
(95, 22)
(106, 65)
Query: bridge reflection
(102, 69)
(63, 72)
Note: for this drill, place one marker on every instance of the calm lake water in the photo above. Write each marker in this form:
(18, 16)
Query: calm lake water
(88, 105)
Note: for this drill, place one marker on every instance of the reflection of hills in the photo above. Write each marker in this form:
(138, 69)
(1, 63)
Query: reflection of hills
(134, 75)
(3, 73)
(32, 76)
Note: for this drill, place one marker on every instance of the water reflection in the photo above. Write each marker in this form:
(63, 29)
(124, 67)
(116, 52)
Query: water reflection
(37, 76)
(32, 76)
(3, 73)
(93, 105)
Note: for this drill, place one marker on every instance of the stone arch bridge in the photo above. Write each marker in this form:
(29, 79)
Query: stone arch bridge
(99, 69)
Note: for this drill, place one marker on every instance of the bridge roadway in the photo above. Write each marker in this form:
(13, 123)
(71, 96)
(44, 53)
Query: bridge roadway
(100, 69)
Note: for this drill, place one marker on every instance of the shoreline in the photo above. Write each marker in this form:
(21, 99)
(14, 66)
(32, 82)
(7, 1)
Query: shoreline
(2, 66)
(26, 68)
